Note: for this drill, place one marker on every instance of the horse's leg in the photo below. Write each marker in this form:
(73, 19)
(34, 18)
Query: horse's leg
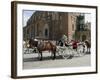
(83, 49)
(40, 56)
(86, 49)
(28, 50)
(51, 54)
(54, 55)
(89, 50)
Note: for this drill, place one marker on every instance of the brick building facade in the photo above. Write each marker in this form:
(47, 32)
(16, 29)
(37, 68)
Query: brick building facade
(51, 25)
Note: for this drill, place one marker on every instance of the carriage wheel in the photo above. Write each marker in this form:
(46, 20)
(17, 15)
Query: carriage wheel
(81, 50)
(63, 53)
(70, 52)
(26, 51)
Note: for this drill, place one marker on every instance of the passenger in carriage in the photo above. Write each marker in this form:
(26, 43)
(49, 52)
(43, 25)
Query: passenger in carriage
(74, 44)
(60, 43)
(66, 44)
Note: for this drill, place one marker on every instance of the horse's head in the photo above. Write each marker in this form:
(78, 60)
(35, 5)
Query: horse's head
(88, 44)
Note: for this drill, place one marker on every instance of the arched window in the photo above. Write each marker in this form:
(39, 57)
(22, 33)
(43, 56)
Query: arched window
(83, 37)
(46, 32)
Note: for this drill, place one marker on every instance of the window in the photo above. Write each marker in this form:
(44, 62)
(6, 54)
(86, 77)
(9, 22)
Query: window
(27, 30)
(46, 32)
(37, 29)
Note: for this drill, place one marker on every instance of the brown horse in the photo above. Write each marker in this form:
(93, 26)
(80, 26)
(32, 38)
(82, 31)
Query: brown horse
(88, 45)
(46, 46)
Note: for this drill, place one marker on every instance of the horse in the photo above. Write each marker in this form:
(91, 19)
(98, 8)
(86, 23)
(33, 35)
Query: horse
(46, 46)
(88, 45)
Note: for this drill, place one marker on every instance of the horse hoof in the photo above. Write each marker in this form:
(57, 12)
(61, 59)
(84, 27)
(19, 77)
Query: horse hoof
(53, 58)
(40, 59)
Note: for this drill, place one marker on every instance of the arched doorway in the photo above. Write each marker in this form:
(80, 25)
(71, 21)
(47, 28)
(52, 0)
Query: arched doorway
(46, 31)
(83, 37)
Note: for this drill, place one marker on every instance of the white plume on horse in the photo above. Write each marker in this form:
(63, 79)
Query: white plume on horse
(35, 39)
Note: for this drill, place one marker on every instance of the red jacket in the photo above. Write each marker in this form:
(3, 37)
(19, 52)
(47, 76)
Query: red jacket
(74, 44)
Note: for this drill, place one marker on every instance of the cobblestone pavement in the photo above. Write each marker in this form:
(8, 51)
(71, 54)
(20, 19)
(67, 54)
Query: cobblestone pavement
(31, 61)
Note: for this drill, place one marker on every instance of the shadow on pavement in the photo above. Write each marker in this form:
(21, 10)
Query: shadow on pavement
(43, 59)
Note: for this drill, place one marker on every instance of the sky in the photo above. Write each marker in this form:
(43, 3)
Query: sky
(87, 17)
(28, 13)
